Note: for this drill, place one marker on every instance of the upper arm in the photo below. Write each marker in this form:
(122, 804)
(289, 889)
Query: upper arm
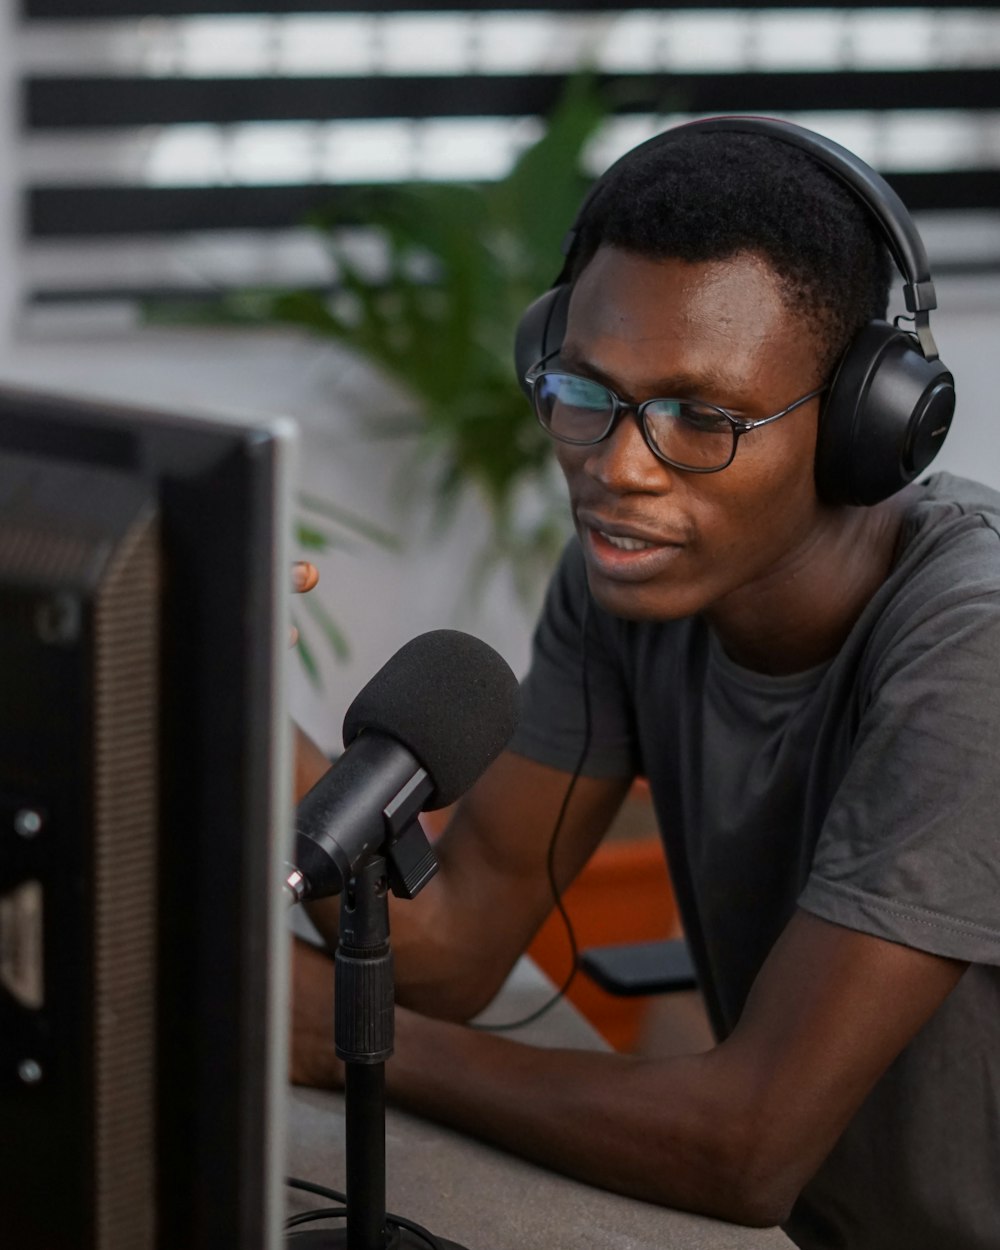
(458, 940)
(497, 844)
(308, 761)
(829, 1012)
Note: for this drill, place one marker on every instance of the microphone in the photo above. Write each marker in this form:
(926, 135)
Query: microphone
(417, 736)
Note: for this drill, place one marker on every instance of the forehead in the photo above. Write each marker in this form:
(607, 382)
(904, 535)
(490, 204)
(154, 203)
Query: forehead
(648, 321)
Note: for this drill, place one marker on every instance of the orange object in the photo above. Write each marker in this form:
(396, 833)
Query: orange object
(622, 895)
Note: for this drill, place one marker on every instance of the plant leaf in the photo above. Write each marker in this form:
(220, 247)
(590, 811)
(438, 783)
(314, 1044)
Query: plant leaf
(350, 520)
(331, 630)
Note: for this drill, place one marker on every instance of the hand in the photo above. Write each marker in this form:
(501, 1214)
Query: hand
(312, 1059)
(304, 577)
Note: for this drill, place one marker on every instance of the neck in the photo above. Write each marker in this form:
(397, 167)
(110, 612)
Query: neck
(799, 614)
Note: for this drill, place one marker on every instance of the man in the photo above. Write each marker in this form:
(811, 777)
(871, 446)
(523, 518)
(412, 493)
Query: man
(812, 689)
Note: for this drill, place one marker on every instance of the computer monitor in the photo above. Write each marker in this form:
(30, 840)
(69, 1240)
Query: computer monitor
(143, 815)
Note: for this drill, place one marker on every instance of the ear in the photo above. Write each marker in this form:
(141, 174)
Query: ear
(884, 419)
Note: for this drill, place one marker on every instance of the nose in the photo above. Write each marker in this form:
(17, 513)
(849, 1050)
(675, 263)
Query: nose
(623, 463)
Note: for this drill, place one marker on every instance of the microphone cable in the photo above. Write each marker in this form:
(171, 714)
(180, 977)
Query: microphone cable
(339, 1212)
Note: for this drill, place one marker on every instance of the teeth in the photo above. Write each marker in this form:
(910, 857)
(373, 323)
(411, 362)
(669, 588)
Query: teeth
(626, 544)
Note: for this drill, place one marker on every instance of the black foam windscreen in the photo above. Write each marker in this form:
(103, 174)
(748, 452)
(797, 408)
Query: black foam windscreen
(447, 697)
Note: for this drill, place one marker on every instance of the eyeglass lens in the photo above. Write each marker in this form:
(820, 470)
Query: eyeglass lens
(580, 410)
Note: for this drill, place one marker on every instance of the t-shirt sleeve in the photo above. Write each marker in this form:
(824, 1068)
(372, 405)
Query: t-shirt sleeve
(910, 849)
(575, 703)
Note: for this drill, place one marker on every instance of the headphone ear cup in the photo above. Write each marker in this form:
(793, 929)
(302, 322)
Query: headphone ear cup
(886, 414)
(541, 330)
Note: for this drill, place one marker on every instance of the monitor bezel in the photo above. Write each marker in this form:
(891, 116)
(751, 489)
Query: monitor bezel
(224, 489)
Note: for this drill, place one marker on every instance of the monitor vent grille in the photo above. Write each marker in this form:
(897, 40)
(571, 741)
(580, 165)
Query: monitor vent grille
(126, 655)
(37, 554)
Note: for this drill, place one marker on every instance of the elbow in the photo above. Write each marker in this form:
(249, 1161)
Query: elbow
(760, 1203)
(760, 1183)
(721, 1178)
(443, 980)
(721, 1165)
(752, 1197)
(456, 995)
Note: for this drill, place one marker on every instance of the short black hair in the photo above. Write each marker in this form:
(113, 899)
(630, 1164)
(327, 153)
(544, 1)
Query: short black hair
(715, 194)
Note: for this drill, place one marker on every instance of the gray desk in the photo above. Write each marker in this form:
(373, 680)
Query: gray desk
(486, 1199)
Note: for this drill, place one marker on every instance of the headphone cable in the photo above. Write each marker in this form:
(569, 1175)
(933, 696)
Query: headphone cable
(550, 856)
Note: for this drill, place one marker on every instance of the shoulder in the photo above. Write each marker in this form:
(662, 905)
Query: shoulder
(947, 565)
(953, 515)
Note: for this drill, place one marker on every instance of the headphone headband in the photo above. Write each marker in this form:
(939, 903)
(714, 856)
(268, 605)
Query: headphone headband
(900, 234)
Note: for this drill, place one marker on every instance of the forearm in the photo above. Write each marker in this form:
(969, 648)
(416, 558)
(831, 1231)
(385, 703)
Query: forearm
(668, 1132)
(673, 1132)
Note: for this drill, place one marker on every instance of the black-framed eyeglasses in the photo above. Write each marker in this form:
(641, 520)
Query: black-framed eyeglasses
(685, 433)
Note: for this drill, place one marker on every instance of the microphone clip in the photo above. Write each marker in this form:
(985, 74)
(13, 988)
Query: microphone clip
(409, 855)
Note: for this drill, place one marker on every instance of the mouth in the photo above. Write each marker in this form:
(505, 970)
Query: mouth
(623, 543)
(629, 534)
(626, 553)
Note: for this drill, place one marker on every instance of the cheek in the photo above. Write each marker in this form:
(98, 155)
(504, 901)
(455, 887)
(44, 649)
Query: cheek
(770, 491)
(780, 458)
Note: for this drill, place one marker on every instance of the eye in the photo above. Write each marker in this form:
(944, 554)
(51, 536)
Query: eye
(695, 417)
(574, 392)
(704, 419)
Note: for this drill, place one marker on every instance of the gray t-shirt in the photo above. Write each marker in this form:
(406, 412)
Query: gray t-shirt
(866, 791)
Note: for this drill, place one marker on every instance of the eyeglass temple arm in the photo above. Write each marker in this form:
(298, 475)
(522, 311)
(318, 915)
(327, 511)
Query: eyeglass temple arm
(745, 427)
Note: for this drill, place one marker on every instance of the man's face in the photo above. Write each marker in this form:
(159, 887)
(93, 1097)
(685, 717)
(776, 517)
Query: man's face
(661, 543)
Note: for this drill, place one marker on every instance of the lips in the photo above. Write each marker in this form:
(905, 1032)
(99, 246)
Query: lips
(629, 535)
(626, 552)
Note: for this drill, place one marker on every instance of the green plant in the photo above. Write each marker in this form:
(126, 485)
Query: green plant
(437, 316)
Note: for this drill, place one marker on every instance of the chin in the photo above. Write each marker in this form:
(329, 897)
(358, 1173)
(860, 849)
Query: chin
(639, 602)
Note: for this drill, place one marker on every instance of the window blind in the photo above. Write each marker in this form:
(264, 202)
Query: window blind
(172, 147)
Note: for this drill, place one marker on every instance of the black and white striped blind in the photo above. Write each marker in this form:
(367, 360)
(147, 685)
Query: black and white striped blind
(170, 147)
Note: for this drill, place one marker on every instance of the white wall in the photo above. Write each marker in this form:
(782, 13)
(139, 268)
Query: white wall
(967, 330)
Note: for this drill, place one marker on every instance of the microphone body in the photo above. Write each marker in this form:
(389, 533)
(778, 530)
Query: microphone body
(342, 819)
(417, 736)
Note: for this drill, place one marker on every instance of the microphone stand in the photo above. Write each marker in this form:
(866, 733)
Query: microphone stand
(364, 1019)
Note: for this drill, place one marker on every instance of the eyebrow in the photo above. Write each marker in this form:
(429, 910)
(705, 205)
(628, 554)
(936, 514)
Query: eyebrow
(679, 386)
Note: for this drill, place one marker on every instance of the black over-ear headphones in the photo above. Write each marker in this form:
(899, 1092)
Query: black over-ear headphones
(890, 401)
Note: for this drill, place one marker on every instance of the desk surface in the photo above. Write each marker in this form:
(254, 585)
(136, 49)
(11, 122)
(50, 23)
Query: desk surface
(489, 1200)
